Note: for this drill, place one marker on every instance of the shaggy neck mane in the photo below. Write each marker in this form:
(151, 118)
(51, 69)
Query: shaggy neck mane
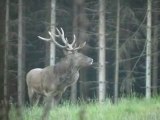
(66, 65)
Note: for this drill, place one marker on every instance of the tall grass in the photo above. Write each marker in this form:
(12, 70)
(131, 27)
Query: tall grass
(126, 109)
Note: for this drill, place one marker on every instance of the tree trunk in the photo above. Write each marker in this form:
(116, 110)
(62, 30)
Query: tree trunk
(80, 24)
(126, 85)
(75, 31)
(117, 54)
(6, 50)
(53, 25)
(6, 61)
(102, 76)
(47, 44)
(148, 50)
(83, 24)
(21, 52)
(155, 50)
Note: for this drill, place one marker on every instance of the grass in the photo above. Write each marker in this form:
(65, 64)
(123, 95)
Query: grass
(126, 109)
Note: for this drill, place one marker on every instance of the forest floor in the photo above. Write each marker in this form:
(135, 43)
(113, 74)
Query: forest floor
(126, 109)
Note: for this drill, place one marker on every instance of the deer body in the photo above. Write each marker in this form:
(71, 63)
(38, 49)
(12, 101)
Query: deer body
(53, 80)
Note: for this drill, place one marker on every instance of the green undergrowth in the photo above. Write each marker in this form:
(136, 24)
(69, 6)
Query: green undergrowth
(125, 109)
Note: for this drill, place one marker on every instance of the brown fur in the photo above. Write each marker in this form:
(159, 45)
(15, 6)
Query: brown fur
(53, 80)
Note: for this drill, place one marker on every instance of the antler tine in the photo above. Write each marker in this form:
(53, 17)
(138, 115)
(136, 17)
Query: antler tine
(61, 34)
(58, 32)
(66, 39)
(62, 31)
(80, 46)
(74, 40)
(56, 41)
(52, 40)
(42, 38)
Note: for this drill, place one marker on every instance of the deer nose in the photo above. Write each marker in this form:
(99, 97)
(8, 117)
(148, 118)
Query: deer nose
(91, 61)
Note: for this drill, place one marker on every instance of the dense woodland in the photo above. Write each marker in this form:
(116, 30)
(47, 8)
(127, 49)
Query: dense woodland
(129, 31)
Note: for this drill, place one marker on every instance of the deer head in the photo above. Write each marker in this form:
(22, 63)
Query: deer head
(71, 48)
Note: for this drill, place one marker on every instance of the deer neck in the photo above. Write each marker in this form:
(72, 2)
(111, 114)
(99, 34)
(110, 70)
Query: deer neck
(66, 66)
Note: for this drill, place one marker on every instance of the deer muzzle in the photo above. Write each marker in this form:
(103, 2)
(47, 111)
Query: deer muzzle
(90, 61)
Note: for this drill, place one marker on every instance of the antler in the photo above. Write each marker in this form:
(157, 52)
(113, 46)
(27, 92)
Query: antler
(70, 47)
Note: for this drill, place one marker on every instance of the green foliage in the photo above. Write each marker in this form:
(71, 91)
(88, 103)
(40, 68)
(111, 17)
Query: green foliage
(126, 109)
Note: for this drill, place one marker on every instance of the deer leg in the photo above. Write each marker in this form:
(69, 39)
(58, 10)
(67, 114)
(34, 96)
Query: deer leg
(37, 101)
(47, 108)
(30, 94)
(56, 99)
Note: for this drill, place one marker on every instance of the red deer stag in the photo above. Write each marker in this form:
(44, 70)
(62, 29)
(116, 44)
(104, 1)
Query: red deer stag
(53, 80)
